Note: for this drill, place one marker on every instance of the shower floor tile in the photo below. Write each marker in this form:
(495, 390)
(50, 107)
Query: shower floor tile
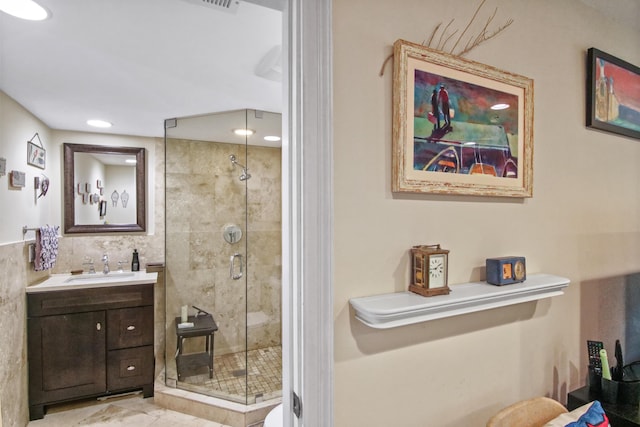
(263, 379)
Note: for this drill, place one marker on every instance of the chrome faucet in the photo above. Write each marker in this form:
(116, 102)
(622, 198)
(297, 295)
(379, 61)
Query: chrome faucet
(105, 259)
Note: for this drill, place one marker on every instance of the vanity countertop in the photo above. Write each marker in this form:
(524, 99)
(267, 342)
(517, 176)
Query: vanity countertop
(61, 282)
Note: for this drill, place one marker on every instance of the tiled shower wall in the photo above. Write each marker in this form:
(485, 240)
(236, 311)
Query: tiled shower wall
(203, 195)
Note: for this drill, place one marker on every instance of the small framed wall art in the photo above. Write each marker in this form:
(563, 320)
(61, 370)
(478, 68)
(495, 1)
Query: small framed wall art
(18, 179)
(36, 155)
(459, 127)
(613, 94)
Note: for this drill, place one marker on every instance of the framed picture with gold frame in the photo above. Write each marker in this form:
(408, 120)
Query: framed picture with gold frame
(459, 127)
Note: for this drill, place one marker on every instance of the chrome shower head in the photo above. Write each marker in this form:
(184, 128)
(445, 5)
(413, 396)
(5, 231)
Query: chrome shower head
(233, 160)
(245, 175)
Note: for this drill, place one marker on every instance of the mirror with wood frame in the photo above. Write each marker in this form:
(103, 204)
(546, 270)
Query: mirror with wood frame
(104, 189)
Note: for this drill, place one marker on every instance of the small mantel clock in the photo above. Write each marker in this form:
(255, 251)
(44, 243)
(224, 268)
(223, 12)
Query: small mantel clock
(429, 270)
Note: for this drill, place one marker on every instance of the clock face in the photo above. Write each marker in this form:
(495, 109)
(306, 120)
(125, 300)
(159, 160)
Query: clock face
(519, 270)
(506, 271)
(437, 271)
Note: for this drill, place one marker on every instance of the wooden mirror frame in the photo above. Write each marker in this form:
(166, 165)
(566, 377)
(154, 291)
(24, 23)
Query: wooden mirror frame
(70, 227)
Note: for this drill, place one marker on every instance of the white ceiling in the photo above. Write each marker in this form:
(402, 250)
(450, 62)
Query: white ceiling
(219, 127)
(137, 62)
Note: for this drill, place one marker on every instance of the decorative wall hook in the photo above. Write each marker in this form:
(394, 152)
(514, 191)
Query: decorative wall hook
(114, 198)
(44, 186)
(125, 198)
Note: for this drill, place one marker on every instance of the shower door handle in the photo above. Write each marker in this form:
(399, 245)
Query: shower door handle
(232, 267)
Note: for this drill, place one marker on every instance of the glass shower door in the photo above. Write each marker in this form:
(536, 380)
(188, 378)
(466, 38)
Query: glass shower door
(264, 257)
(206, 254)
(224, 255)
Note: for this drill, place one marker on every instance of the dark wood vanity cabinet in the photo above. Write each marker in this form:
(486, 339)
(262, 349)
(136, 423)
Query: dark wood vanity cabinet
(89, 342)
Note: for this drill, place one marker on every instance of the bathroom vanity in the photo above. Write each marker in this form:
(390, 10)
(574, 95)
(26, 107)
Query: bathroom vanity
(89, 336)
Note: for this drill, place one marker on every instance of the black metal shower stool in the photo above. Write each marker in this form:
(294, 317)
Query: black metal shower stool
(188, 364)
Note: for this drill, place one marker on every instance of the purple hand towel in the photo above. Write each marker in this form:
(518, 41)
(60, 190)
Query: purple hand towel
(46, 248)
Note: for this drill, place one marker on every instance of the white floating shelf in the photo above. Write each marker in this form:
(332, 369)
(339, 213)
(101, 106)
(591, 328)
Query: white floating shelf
(405, 308)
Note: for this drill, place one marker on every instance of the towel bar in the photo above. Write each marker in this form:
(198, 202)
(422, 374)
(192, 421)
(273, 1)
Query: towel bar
(26, 229)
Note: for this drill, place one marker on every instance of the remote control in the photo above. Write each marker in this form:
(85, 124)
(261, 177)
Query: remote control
(594, 347)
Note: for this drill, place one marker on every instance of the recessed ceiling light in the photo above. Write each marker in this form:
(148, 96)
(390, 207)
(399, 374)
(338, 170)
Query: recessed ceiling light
(99, 123)
(272, 138)
(243, 132)
(24, 9)
(500, 107)
(130, 161)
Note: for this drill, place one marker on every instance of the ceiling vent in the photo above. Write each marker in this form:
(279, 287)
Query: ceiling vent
(230, 6)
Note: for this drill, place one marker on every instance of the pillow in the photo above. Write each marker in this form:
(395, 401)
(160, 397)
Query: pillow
(589, 415)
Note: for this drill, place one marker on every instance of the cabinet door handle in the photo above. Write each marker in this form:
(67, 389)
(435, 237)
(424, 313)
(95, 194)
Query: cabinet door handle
(131, 368)
(98, 326)
(131, 328)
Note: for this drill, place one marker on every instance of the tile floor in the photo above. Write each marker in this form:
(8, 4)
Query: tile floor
(263, 382)
(117, 412)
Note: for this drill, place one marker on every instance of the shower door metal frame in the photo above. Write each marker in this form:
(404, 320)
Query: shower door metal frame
(238, 256)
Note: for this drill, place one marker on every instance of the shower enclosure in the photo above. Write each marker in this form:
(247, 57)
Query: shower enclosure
(223, 255)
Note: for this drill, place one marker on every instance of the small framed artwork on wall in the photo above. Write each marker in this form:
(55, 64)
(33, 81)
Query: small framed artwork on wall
(459, 127)
(36, 156)
(18, 179)
(613, 94)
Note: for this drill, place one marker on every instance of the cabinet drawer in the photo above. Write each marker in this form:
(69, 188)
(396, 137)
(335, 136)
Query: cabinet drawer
(92, 299)
(129, 368)
(129, 327)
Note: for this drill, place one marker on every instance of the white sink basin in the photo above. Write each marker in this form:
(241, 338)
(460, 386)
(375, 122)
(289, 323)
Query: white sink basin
(99, 277)
(57, 282)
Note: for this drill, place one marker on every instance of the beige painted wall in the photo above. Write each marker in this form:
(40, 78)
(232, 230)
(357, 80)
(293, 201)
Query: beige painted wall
(17, 126)
(583, 221)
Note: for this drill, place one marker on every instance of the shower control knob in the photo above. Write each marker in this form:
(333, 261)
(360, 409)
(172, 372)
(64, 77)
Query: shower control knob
(232, 233)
